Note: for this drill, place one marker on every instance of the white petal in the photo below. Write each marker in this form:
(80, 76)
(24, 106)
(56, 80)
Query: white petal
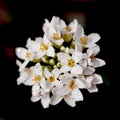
(35, 89)
(45, 101)
(21, 52)
(24, 64)
(70, 101)
(38, 69)
(66, 80)
(98, 62)
(89, 45)
(32, 45)
(89, 70)
(41, 54)
(35, 98)
(46, 26)
(50, 32)
(76, 69)
(58, 42)
(93, 38)
(62, 91)
(73, 25)
(63, 57)
(93, 51)
(47, 74)
(55, 99)
(77, 94)
(78, 46)
(79, 83)
(43, 82)
(29, 82)
(64, 69)
(48, 85)
(97, 79)
(18, 63)
(79, 33)
(55, 21)
(50, 51)
(55, 72)
(77, 56)
(89, 81)
(21, 79)
(93, 88)
(61, 25)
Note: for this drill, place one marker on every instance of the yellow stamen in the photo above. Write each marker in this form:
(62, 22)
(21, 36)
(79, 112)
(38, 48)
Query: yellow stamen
(37, 78)
(72, 84)
(68, 28)
(51, 79)
(71, 63)
(84, 40)
(28, 55)
(43, 47)
(56, 36)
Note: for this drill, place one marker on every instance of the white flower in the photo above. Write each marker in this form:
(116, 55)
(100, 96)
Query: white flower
(71, 85)
(53, 34)
(51, 77)
(36, 76)
(41, 47)
(69, 99)
(25, 55)
(67, 30)
(25, 74)
(83, 41)
(92, 60)
(92, 81)
(40, 94)
(69, 63)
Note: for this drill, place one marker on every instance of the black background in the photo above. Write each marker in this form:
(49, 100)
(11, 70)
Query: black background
(28, 17)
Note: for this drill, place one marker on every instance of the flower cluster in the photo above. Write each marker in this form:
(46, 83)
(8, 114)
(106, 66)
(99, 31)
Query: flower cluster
(60, 63)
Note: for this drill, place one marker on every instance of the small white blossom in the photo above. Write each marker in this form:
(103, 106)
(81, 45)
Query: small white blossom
(40, 94)
(69, 63)
(51, 77)
(83, 41)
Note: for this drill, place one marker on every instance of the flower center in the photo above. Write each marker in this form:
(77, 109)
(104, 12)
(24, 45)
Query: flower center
(43, 47)
(37, 78)
(72, 84)
(92, 57)
(26, 70)
(84, 40)
(68, 28)
(71, 63)
(51, 79)
(56, 36)
(28, 55)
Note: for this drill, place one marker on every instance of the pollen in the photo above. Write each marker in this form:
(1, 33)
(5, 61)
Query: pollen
(28, 55)
(51, 79)
(56, 36)
(37, 78)
(43, 47)
(71, 63)
(84, 40)
(68, 28)
(72, 84)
